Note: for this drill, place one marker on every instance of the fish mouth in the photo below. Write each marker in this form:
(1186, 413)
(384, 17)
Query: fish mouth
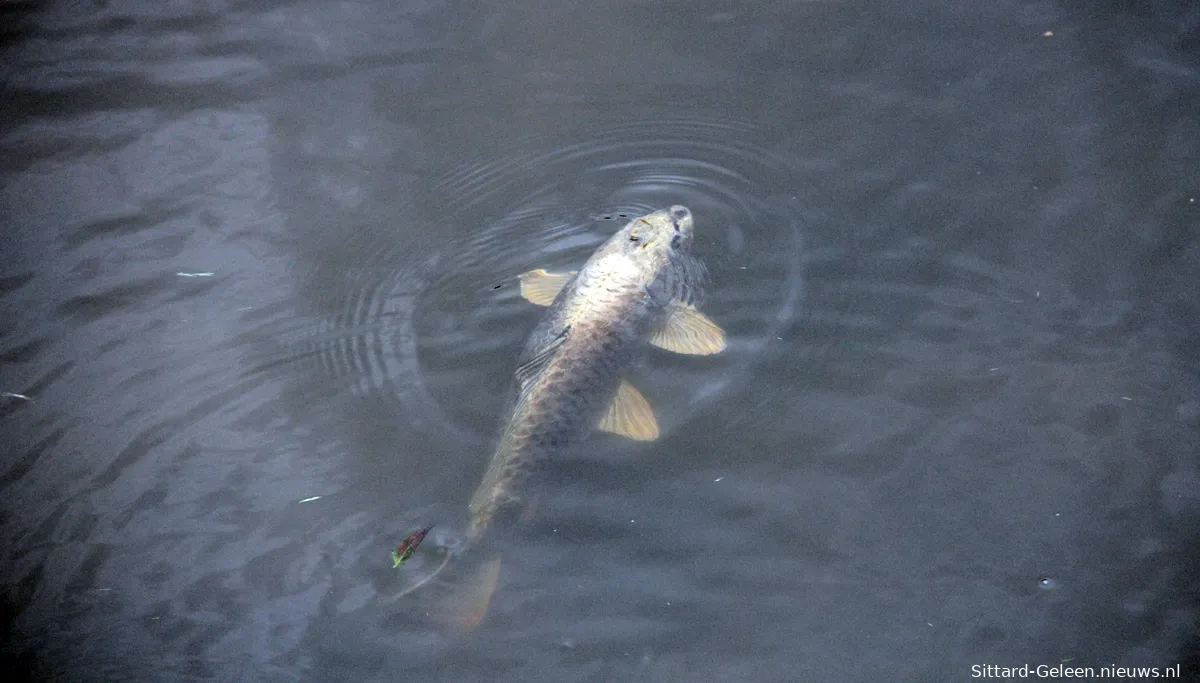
(681, 219)
(666, 227)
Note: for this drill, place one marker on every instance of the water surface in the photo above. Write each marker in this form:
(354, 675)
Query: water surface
(262, 254)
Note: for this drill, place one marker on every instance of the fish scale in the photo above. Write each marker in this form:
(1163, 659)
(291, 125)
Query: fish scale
(640, 286)
(558, 406)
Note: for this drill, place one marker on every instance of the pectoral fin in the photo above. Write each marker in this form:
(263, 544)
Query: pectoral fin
(540, 287)
(687, 330)
(630, 415)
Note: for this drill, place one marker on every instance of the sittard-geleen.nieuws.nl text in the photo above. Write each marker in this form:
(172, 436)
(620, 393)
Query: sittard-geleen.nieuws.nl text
(1067, 671)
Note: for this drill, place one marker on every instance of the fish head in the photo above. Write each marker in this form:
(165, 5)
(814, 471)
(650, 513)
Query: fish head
(661, 244)
(656, 235)
(654, 253)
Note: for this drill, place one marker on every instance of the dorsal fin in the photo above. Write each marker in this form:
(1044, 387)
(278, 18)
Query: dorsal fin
(530, 368)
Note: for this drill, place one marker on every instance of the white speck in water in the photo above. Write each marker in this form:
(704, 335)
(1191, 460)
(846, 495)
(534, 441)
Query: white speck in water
(632, 521)
(1126, 398)
(195, 274)
(718, 479)
(309, 500)
(9, 394)
(993, 369)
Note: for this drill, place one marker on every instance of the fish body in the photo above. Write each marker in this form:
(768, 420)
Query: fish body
(640, 287)
(574, 362)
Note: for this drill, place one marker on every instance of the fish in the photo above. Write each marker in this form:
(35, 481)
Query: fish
(640, 288)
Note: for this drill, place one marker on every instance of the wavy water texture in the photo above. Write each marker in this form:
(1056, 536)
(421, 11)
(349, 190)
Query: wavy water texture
(260, 317)
(625, 171)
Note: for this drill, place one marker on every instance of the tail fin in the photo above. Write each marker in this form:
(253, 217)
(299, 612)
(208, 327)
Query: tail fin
(467, 605)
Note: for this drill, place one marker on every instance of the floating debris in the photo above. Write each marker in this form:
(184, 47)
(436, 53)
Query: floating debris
(9, 394)
(309, 500)
(408, 546)
(195, 274)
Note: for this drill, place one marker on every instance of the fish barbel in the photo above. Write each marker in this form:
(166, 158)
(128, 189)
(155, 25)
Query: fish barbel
(639, 287)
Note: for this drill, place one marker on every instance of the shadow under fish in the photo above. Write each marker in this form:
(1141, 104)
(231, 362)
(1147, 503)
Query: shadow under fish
(640, 287)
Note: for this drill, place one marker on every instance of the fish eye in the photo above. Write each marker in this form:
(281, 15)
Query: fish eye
(680, 214)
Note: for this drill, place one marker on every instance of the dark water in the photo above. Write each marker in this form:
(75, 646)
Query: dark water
(255, 253)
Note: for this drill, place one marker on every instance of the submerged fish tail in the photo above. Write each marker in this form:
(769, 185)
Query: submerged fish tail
(468, 603)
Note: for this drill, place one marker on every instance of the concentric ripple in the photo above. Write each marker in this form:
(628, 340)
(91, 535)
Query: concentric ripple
(436, 322)
(550, 207)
